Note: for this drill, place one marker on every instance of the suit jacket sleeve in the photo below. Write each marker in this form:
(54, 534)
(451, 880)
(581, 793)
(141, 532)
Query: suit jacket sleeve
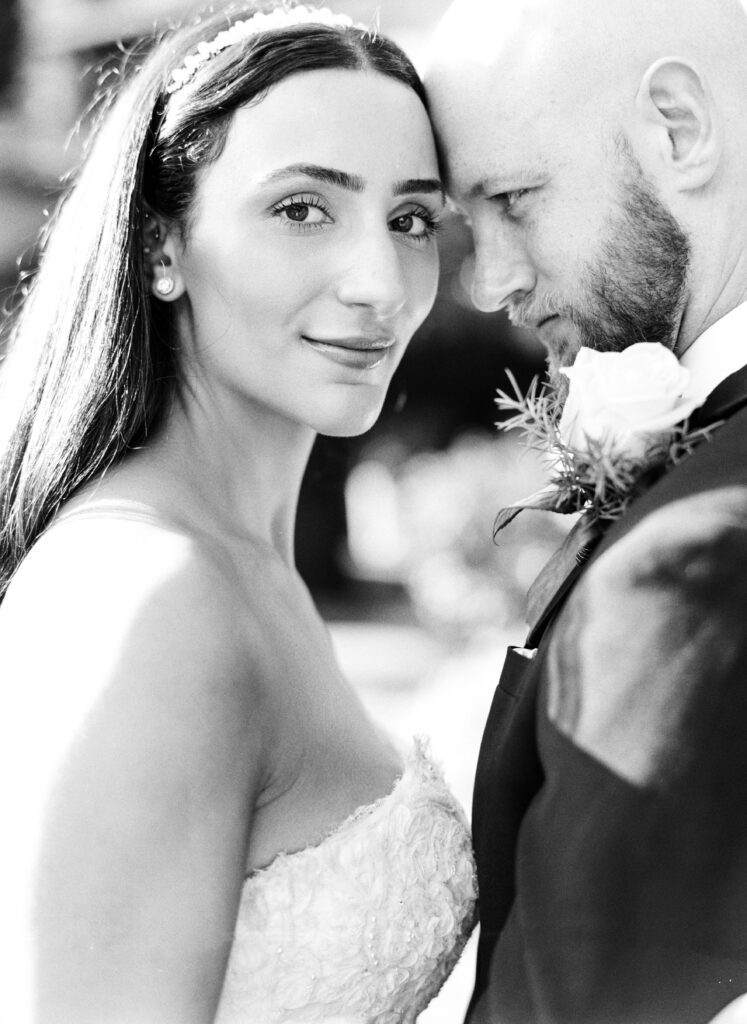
(632, 859)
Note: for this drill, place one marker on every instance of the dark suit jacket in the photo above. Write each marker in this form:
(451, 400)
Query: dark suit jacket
(610, 808)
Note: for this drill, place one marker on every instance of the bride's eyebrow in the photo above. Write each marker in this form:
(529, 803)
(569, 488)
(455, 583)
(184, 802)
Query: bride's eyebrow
(328, 175)
(403, 188)
(351, 182)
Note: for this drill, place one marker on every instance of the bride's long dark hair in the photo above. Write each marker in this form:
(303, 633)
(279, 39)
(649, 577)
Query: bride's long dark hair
(92, 364)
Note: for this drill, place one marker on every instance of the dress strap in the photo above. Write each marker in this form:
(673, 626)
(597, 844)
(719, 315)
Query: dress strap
(110, 509)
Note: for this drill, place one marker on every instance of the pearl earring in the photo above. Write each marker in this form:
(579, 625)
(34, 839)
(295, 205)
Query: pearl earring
(165, 283)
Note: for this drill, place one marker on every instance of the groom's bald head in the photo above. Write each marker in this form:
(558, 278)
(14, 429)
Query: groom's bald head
(586, 36)
(553, 50)
(539, 94)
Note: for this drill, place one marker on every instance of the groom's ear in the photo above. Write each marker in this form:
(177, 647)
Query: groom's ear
(678, 107)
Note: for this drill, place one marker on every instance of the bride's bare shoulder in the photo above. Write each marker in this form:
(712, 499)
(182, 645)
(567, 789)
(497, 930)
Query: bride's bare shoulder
(131, 717)
(120, 593)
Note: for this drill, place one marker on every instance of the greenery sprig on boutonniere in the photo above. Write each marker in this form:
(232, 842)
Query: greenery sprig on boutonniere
(623, 422)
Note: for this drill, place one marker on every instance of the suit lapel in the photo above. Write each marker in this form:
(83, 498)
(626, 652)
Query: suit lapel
(557, 579)
(725, 399)
(547, 592)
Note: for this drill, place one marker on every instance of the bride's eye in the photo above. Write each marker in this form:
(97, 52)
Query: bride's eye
(418, 224)
(302, 212)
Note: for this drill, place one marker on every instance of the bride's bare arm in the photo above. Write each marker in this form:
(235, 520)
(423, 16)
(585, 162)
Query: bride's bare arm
(133, 753)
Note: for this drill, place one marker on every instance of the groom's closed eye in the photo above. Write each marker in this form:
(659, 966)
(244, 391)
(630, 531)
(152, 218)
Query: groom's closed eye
(508, 200)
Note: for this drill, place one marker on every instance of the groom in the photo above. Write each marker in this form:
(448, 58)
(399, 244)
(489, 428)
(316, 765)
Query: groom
(599, 149)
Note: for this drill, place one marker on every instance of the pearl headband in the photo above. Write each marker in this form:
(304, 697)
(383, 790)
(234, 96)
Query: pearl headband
(258, 23)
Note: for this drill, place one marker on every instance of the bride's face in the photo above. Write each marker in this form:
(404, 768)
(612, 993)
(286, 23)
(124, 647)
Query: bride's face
(310, 256)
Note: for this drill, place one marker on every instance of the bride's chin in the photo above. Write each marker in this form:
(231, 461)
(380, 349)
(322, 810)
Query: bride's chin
(350, 422)
(350, 429)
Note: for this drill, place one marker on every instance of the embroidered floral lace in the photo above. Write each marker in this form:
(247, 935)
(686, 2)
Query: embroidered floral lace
(365, 927)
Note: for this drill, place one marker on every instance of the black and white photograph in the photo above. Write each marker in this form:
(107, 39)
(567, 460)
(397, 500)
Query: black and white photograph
(373, 511)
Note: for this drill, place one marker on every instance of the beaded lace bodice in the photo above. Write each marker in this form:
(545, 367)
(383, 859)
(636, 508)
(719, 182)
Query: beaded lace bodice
(365, 927)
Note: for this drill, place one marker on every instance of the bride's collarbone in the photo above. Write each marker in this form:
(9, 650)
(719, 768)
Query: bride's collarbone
(324, 758)
(327, 760)
(288, 645)
(328, 787)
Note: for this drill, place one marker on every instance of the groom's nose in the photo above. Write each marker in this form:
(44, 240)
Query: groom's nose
(503, 273)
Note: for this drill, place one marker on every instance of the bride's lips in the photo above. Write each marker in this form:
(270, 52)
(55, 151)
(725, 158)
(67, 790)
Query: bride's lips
(359, 352)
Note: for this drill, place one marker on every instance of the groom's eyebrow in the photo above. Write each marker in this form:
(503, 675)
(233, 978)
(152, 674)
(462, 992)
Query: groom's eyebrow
(351, 182)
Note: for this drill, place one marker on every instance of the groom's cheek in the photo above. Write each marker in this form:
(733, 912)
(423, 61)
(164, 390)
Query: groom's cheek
(648, 636)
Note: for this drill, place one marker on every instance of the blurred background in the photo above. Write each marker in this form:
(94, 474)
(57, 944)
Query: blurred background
(395, 528)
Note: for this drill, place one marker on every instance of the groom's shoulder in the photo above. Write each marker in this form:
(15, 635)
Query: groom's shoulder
(682, 562)
(716, 466)
(681, 565)
(699, 503)
(656, 624)
(674, 561)
(695, 516)
(680, 539)
(720, 459)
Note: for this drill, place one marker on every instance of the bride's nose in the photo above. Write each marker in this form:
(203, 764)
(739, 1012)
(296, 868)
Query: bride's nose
(373, 274)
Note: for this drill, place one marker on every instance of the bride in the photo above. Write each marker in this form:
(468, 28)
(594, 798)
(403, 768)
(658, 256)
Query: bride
(202, 823)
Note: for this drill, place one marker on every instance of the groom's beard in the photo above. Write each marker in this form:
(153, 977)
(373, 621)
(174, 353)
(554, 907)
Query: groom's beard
(633, 290)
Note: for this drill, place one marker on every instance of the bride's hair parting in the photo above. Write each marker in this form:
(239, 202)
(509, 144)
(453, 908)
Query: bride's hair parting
(92, 362)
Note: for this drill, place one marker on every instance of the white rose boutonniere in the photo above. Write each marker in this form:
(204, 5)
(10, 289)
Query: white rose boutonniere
(624, 421)
(624, 400)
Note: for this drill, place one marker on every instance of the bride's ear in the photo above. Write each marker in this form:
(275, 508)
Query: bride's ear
(160, 257)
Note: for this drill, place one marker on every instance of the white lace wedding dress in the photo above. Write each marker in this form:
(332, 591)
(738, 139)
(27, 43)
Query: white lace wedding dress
(365, 927)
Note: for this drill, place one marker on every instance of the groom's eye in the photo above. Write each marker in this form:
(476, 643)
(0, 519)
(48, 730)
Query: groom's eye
(508, 200)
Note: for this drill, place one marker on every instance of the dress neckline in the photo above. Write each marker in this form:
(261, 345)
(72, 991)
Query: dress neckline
(418, 763)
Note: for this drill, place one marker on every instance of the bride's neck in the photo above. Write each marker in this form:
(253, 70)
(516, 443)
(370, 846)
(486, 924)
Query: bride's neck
(241, 474)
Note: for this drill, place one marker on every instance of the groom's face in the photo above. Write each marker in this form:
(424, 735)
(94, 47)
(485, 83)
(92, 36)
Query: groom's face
(570, 238)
